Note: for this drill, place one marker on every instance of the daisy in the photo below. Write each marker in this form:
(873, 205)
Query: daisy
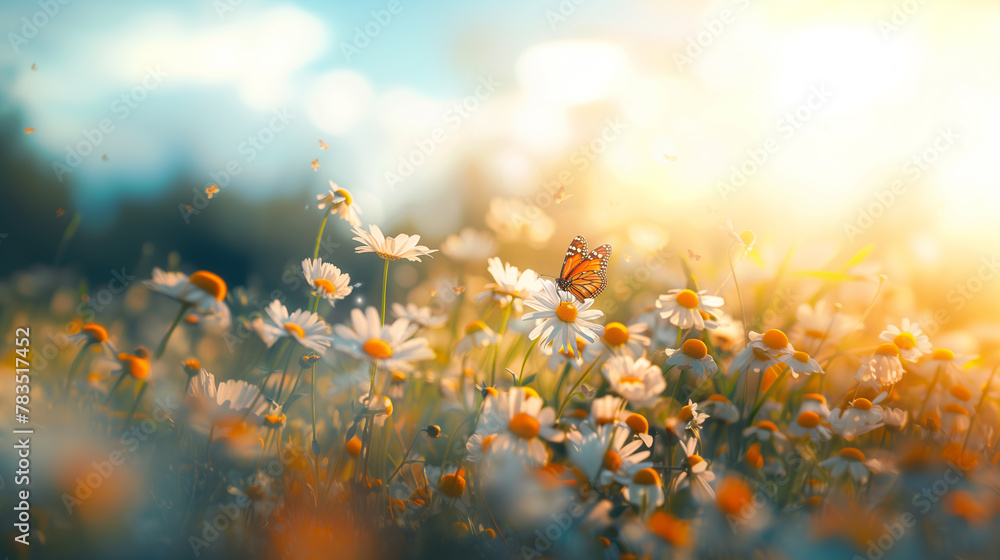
(765, 431)
(639, 381)
(691, 418)
(954, 419)
(477, 335)
(93, 334)
(626, 340)
(644, 489)
(861, 417)
(327, 280)
(852, 461)
(815, 402)
(302, 326)
(402, 246)
(423, 316)
(910, 339)
(944, 361)
(744, 239)
(561, 318)
(478, 447)
(683, 307)
(720, 408)
(762, 352)
(559, 359)
(388, 345)
(640, 427)
(608, 409)
(509, 283)
(226, 399)
(696, 473)
(202, 290)
(136, 364)
(342, 203)
(662, 332)
(601, 453)
(883, 369)
(816, 325)
(469, 245)
(522, 422)
(692, 355)
(800, 363)
(809, 424)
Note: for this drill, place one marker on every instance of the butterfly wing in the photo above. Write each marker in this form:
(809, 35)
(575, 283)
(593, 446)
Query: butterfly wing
(584, 274)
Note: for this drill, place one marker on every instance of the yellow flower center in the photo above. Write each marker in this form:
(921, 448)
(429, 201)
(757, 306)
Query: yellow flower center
(694, 348)
(210, 284)
(943, 354)
(718, 398)
(529, 392)
(612, 460)
(630, 379)
(378, 349)
(801, 357)
(524, 426)
(767, 425)
(862, 404)
(566, 312)
(669, 528)
(398, 377)
(808, 419)
(294, 329)
(687, 298)
(137, 367)
(813, 333)
(325, 285)
(955, 408)
(887, 349)
(348, 199)
(905, 341)
(815, 397)
(694, 460)
(685, 415)
(452, 485)
(96, 332)
(615, 334)
(960, 392)
(637, 423)
(646, 477)
(353, 446)
(775, 339)
(475, 327)
(484, 446)
(192, 364)
(852, 454)
(748, 238)
(274, 419)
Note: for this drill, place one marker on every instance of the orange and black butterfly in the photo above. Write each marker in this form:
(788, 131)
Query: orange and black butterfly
(584, 274)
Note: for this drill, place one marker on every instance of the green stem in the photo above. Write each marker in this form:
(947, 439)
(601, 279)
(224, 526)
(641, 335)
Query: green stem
(520, 378)
(135, 406)
(496, 354)
(406, 457)
(163, 343)
(313, 391)
(76, 364)
(763, 399)
(576, 386)
(111, 393)
(385, 285)
(322, 226)
(982, 399)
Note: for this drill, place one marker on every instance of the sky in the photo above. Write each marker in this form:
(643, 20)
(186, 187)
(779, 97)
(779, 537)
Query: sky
(811, 111)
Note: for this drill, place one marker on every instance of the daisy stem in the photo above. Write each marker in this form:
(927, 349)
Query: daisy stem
(576, 385)
(562, 378)
(111, 393)
(76, 364)
(496, 354)
(739, 295)
(982, 399)
(385, 284)
(930, 389)
(406, 456)
(520, 378)
(313, 398)
(763, 399)
(677, 388)
(322, 226)
(447, 448)
(135, 406)
(163, 343)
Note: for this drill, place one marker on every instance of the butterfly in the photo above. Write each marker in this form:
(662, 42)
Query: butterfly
(212, 191)
(29, 130)
(315, 164)
(694, 255)
(584, 274)
(323, 145)
(561, 195)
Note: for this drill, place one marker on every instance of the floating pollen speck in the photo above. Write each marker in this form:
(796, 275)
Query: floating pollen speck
(323, 145)
(627, 257)
(29, 130)
(211, 191)
(561, 195)
(459, 289)
(104, 157)
(433, 293)
(315, 164)
(60, 212)
(34, 67)
(694, 255)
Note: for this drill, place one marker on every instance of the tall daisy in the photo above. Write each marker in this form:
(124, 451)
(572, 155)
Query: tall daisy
(423, 316)
(402, 246)
(302, 326)
(601, 453)
(326, 280)
(696, 473)
(562, 318)
(391, 346)
(623, 339)
(684, 308)
(509, 283)
(469, 245)
(883, 369)
(202, 290)
(522, 423)
(639, 381)
(909, 338)
(341, 203)
(692, 355)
